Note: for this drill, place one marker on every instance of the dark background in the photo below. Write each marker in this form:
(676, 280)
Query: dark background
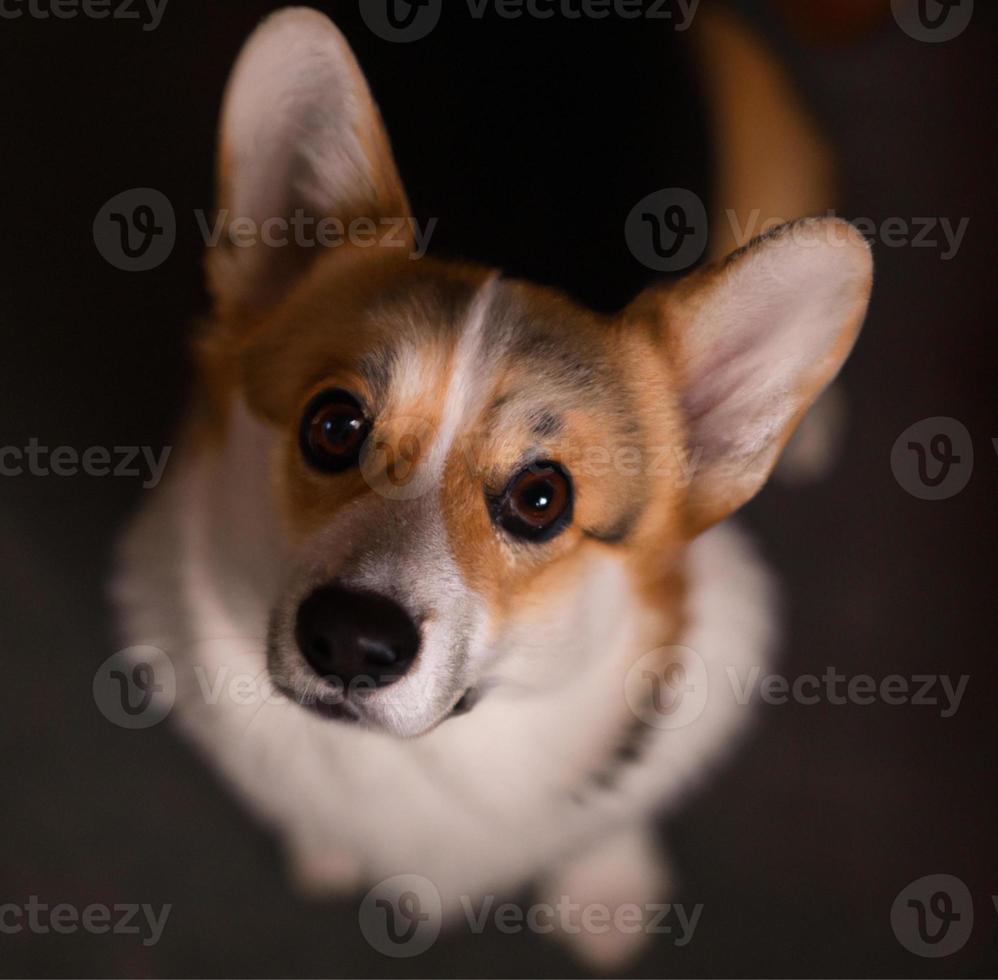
(531, 141)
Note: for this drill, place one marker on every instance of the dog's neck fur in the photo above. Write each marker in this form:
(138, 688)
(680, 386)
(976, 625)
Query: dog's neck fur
(490, 796)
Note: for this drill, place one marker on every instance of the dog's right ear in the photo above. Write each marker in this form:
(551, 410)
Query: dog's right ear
(301, 141)
(751, 342)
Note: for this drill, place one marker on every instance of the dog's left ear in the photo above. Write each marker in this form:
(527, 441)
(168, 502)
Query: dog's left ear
(301, 141)
(752, 342)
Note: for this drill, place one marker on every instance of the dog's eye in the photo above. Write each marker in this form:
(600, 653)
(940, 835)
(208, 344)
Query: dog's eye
(537, 503)
(333, 430)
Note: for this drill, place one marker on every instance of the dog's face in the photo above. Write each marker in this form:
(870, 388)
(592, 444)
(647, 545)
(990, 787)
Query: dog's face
(489, 461)
(480, 481)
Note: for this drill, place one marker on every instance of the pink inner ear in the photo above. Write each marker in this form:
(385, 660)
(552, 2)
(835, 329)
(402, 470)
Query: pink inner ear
(298, 126)
(772, 331)
(722, 374)
(291, 118)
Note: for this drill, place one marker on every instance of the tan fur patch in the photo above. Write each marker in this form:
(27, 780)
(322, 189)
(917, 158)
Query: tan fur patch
(561, 383)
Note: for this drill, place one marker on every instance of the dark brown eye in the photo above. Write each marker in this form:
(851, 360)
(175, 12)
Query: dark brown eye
(333, 430)
(537, 503)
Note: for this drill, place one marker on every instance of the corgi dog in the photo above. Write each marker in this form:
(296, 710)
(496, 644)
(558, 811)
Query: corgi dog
(469, 537)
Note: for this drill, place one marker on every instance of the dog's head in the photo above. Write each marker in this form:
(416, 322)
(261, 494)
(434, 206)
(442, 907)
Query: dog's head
(475, 473)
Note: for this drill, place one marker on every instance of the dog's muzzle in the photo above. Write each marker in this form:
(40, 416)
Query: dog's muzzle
(360, 658)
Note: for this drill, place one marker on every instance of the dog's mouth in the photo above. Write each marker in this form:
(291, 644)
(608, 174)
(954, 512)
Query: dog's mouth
(335, 706)
(465, 703)
(333, 710)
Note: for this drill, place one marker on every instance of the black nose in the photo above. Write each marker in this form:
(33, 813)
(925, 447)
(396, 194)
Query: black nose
(356, 635)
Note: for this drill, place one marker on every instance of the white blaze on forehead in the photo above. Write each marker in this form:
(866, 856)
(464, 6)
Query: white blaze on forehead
(466, 389)
(417, 365)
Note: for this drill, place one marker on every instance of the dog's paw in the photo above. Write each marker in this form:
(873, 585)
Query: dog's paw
(607, 897)
(324, 873)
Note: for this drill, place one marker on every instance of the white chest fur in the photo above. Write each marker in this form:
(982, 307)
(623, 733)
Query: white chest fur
(483, 802)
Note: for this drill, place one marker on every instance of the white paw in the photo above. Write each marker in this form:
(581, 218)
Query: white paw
(325, 873)
(811, 453)
(608, 894)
